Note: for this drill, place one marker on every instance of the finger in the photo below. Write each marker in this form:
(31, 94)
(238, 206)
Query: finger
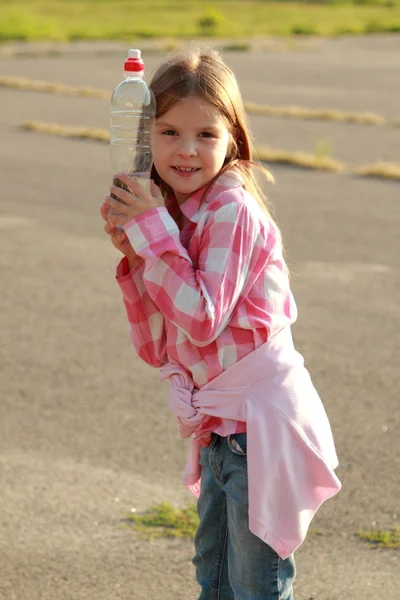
(127, 197)
(117, 232)
(116, 206)
(119, 239)
(119, 220)
(111, 214)
(133, 183)
(104, 211)
(126, 178)
(118, 235)
(110, 228)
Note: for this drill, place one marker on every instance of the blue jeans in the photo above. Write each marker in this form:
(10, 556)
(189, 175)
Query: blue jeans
(231, 562)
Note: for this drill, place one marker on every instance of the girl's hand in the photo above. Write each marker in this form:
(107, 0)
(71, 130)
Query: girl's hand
(118, 237)
(134, 202)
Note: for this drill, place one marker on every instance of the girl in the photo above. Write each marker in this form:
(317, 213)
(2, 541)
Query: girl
(207, 296)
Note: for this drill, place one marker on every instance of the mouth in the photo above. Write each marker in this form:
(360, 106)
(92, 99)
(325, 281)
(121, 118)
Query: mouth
(185, 171)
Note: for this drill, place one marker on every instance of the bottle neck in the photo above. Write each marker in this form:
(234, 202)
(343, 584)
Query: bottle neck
(133, 74)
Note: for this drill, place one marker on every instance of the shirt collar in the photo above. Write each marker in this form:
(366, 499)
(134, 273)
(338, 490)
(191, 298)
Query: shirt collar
(191, 207)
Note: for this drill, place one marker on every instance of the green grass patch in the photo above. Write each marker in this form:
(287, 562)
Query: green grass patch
(380, 538)
(164, 520)
(64, 20)
(315, 532)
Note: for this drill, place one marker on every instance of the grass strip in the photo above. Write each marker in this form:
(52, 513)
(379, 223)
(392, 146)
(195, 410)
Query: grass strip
(85, 133)
(299, 112)
(164, 520)
(299, 159)
(379, 538)
(381, 170)
(316, 162)
(32, 85)
(293, 112)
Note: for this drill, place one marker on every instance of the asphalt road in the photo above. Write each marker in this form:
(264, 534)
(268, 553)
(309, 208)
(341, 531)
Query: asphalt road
(85, 432)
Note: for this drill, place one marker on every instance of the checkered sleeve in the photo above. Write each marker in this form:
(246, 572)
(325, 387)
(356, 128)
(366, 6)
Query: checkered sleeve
(199, 299)
(146, 322)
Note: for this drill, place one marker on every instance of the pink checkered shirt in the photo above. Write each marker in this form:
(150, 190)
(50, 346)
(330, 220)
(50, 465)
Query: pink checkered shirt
(209, 294)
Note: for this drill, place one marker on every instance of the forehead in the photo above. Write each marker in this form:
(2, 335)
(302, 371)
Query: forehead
(193, 111)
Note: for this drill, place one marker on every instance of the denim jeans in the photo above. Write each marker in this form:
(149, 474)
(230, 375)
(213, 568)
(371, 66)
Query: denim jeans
(231, 562)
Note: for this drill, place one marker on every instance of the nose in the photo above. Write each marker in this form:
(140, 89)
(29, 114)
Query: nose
(187, 148)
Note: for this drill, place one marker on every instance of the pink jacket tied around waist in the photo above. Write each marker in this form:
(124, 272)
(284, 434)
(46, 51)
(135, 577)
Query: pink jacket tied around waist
(291, 455)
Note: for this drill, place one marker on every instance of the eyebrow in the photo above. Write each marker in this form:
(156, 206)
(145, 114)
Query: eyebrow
(171, 126)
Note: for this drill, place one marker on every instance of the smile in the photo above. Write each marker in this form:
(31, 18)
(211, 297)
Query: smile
(186, 172)
(186, 169)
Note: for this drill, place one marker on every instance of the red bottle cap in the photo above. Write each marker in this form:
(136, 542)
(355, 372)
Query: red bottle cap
(134, 62)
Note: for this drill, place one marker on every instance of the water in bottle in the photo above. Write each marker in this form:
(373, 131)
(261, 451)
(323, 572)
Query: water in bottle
(131, 115)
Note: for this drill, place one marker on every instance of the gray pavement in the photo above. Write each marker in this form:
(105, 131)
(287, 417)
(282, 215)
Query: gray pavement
(85, 433)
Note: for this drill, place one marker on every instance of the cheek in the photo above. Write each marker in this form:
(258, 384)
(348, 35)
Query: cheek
(159, 164)
(158, 152)
(222, 153)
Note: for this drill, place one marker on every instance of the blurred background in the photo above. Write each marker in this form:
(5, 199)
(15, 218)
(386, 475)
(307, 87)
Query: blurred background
(86, 437)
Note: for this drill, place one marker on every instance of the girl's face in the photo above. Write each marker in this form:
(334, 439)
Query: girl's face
(189, 143)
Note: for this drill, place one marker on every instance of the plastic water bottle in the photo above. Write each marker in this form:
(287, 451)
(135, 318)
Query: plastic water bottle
(132, 112)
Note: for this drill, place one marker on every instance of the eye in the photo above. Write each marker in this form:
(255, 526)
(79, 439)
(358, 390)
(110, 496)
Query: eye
(169, 132)
(207, 134)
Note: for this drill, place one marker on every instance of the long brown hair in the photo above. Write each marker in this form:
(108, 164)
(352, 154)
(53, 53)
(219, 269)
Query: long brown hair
(203, 74)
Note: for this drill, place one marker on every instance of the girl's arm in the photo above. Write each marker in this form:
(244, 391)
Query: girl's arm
(146, 327)
(200, 299)
(146, 323)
